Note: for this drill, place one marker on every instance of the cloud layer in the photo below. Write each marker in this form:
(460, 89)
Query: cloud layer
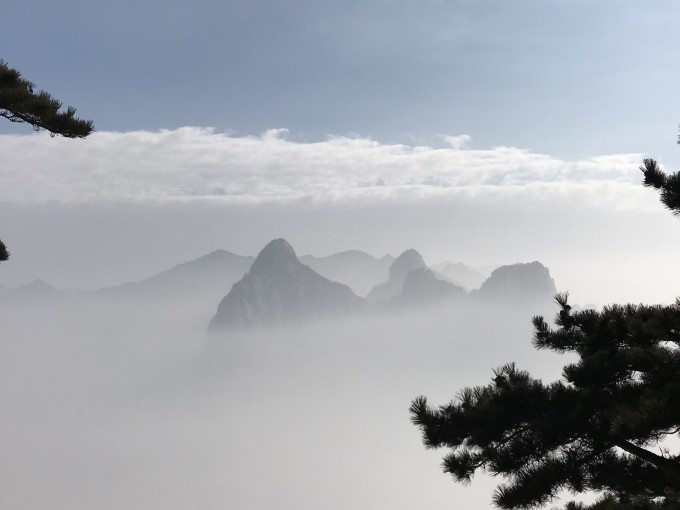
(199, 164)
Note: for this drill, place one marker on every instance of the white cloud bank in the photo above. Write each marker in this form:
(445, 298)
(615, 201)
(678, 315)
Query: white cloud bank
(201, 164)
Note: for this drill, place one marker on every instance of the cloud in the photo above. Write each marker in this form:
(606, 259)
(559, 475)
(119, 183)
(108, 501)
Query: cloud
(458, 142)
(199, 164)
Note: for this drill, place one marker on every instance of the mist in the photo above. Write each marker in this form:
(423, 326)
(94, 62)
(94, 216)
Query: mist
(109, 403)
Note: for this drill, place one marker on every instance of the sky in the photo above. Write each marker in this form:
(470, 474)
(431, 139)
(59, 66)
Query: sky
(475, 131)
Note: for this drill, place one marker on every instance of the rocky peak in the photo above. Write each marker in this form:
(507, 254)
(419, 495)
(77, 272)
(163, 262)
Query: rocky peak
(519, 281)
(405, 263)
(408, 261)
(279, 289)
(277, 257)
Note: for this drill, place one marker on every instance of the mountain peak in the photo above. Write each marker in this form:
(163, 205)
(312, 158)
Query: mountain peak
(280, 289)
(276, 255)
(408, 261)
(357, 269)
(405, 263)
(37, 289)
(521, 281)
(38, 284)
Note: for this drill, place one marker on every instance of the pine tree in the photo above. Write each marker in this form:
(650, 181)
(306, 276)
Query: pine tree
(4, 254)
(593, 430)
(20, 103)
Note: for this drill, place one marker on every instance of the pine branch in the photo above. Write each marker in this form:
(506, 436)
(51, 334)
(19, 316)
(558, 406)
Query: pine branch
(669, 467)
(667, 184)
(19, 103)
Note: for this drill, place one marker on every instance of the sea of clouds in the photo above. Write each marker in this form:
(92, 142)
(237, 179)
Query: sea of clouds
(202, 164)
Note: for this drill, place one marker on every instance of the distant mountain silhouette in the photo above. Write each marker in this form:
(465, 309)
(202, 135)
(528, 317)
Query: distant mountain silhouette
(38, 291)
(279, 289)
(422, 287)
(518, 283)
(400, 268)
(359, 270)
(464, 276)
(207, 278)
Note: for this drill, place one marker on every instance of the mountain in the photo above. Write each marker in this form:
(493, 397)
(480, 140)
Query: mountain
(209, 277)
(422, 287)
(38, 291)
(518, 283)
(359, 270)
(279, 289)
(467, 277)
(400, 268)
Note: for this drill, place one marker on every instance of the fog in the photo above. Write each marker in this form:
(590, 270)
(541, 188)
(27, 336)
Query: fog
(111, 404)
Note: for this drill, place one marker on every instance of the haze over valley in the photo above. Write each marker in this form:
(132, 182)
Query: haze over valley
(119, 396)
